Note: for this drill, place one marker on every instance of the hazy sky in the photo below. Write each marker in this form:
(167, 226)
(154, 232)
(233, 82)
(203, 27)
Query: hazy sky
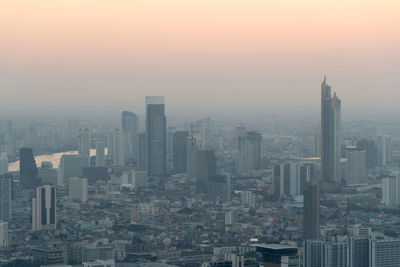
(208, 55)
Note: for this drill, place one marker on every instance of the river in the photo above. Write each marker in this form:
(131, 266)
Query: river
(53, 158)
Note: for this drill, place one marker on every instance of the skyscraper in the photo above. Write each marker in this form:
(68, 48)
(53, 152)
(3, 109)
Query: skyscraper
(156, 135)
(3, 163)
(359, 251)
(330, 134)
(118, 148)
(3, 233)
(48, 174)
(313, 253)
(78, 189)
(356, 166)
(28, 170)
(317, 145)
(44, 208)
(84, 143)
(205, 167)
(72, 166)
(370, 148)
(180, 151)
(249, 152)
(192, 147)
(73, 129)
(384, 151)
(100, 154)
(5, 197)
(239, 131)
(311, 211)
(110, 144)
(389, 191)
(130, 129)
(384, 252)
(142, 152)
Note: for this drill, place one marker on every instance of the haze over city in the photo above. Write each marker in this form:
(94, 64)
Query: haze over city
(214, 133)
(203, 56)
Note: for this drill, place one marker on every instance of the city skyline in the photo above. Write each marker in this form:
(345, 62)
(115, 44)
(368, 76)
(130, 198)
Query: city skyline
(182, 133)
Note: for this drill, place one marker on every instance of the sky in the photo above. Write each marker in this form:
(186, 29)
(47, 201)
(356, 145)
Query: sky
(237, 56)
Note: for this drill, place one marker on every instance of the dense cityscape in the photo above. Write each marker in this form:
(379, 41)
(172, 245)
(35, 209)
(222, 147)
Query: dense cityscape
(271, 191)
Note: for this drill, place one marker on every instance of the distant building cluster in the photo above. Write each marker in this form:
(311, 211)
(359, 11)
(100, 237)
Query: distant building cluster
(147, 189)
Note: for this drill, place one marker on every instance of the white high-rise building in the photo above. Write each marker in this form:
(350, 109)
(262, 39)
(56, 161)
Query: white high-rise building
(3, 234)
(335, 253)
(389, 194)
(3, 163)
(100, 161)
(318, 253)
(313, 253)
(84, 143)
(384, 150)
(356, 166)
(78, 189)
(118, 148)
(248, 198)
(391, 190)
(229, 217)
(291, 178)
(385, 253)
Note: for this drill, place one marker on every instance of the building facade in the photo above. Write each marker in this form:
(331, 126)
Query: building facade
(130, 129)
(156, 135)
(311, 211)
(5, 197)
(44, 208)
(330, 135)
(28, 170)
(78, 189)
(180, 151)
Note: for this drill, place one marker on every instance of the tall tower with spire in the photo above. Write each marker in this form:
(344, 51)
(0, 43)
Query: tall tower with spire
(330, 134)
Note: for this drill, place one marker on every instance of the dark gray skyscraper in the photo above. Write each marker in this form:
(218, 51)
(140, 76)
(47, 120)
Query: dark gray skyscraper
(130, 129)
(156, 135)
(370, 148)
(5, 197)
(249, 152)
(180, 151)
(311, 211)
(192, 147)
(205, 167)
(28, 170)
(142, 152)
(84, 143)
(330, 134)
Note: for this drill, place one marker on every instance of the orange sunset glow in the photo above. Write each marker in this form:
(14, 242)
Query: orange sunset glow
(76, 47)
